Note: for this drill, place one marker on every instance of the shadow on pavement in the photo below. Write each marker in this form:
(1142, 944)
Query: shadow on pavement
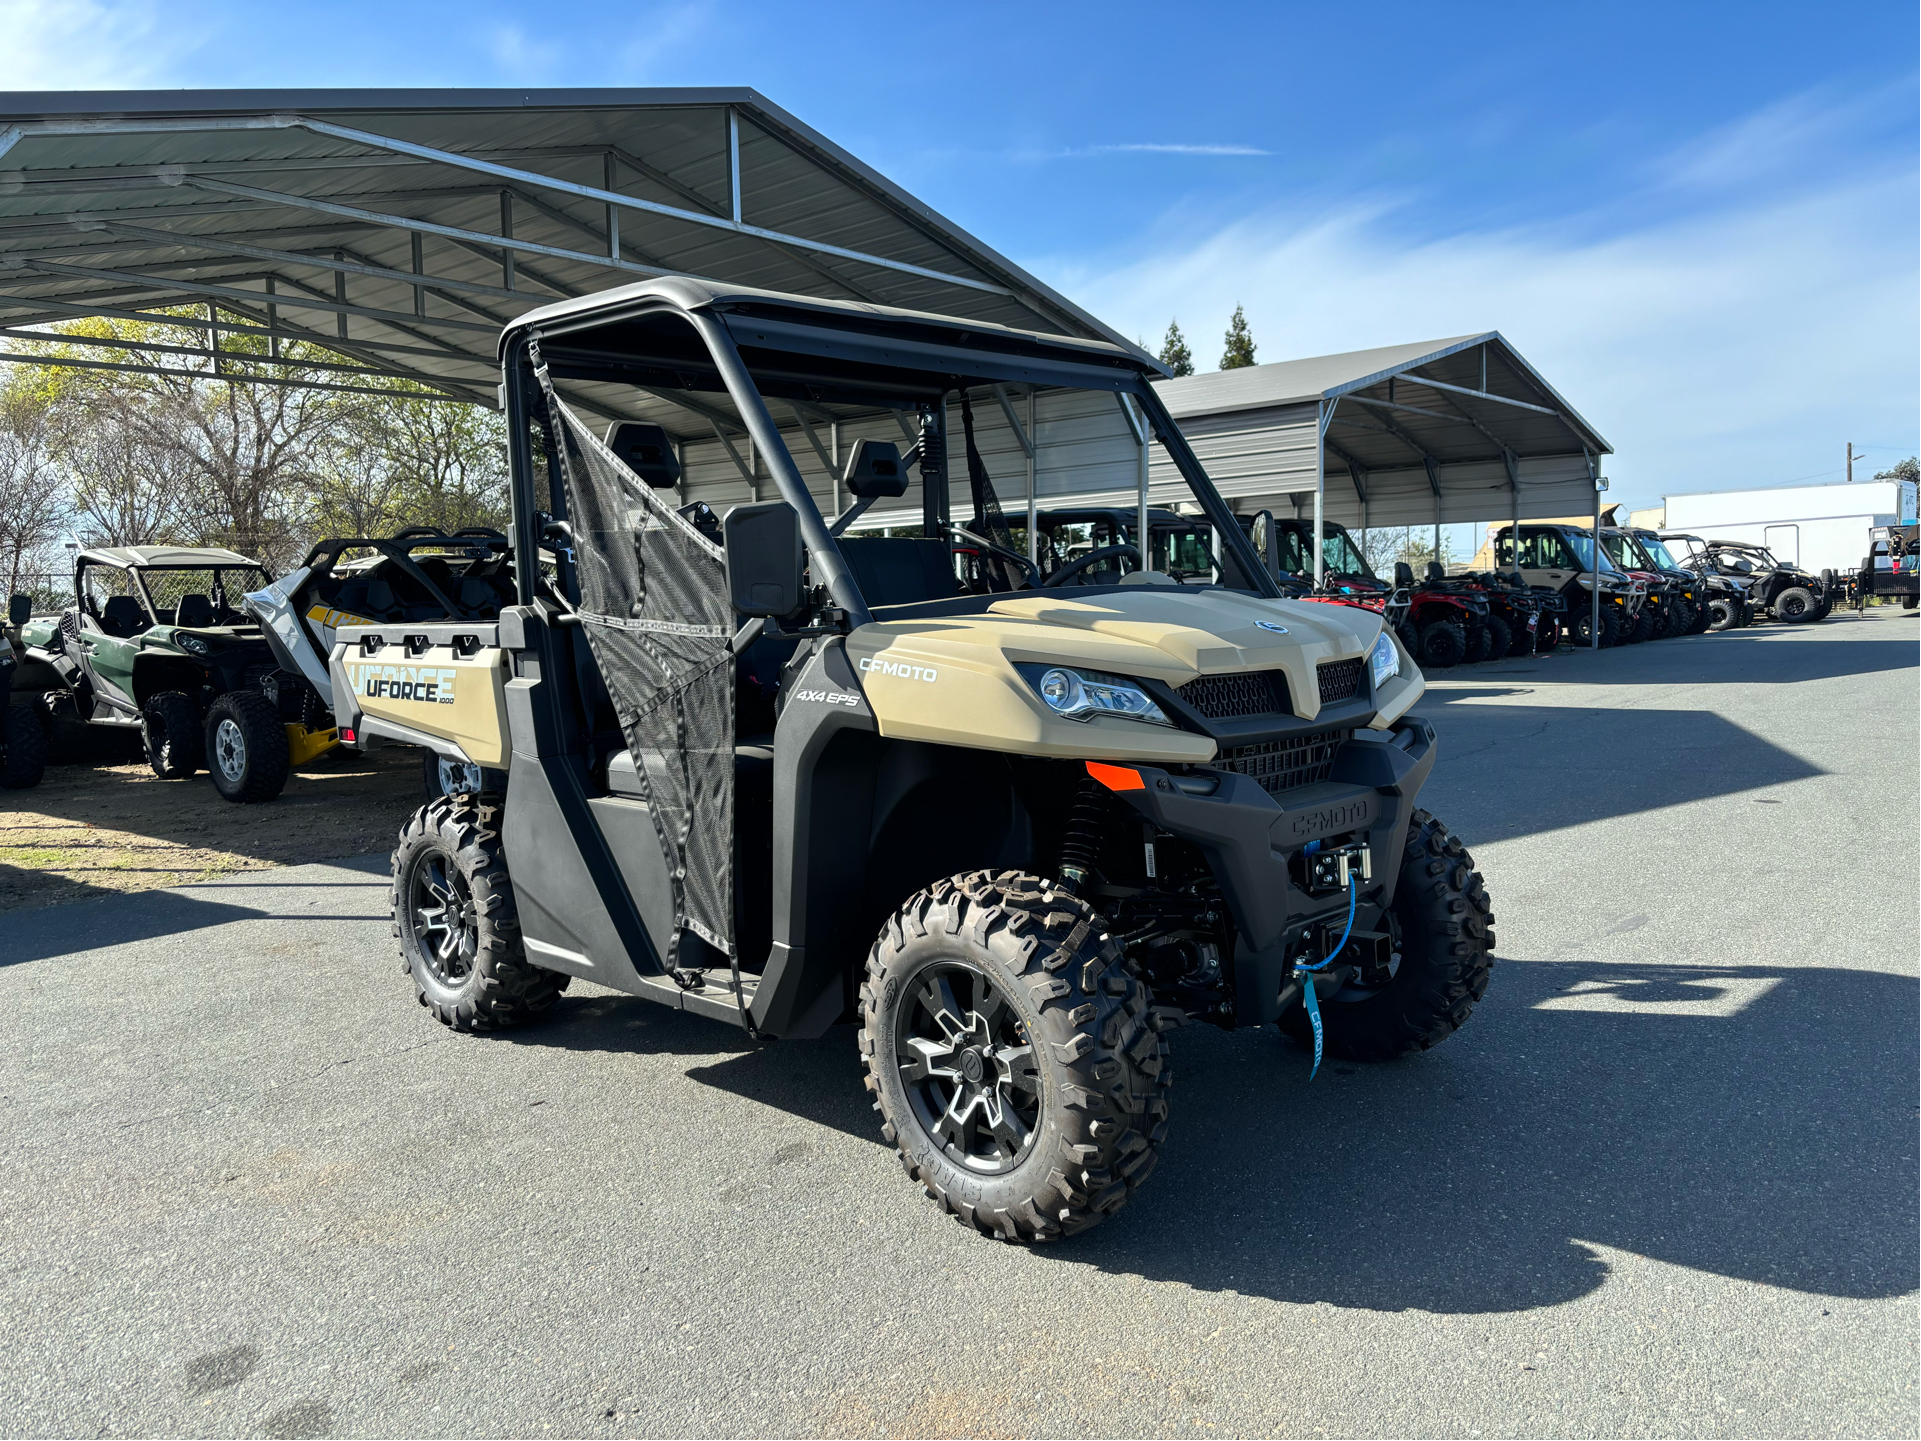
(1748, 1122)
(1511, 769)
(1727, 657)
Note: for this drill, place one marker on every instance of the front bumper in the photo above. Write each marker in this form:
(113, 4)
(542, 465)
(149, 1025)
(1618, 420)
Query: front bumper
(1250, 836)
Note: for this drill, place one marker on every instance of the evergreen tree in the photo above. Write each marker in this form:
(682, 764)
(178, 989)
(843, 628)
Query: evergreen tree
(1909, 469)
(1240, 344)
(1174, 352)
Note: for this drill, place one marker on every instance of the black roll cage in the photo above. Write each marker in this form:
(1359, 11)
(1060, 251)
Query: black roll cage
(869, 347)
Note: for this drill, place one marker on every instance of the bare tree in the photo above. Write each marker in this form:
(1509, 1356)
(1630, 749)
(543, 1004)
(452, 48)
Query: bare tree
(33, 500)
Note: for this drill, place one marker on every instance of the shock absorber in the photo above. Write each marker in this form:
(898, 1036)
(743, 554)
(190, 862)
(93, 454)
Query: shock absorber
(1080, 842)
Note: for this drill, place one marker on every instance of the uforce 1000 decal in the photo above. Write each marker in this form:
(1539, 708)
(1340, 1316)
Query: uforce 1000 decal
(429, 684)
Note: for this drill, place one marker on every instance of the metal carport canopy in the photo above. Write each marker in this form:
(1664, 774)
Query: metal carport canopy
(1435, 432)
(404, 228)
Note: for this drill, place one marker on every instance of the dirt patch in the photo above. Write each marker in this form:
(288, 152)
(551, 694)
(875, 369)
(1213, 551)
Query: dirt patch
(90, 830)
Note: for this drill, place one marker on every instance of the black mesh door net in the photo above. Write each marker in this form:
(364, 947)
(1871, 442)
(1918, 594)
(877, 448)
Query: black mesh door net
(654, 604)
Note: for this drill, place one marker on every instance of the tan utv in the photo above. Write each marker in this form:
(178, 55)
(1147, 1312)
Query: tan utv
(1014, 827)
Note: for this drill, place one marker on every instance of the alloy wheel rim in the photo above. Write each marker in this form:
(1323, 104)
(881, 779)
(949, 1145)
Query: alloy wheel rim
(969, 1068)
(230, 749)
(445, 924)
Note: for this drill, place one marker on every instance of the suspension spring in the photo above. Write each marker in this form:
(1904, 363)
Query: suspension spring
(1080, 843)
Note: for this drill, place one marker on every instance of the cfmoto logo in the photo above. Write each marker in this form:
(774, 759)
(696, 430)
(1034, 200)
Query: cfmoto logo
(1269, 625)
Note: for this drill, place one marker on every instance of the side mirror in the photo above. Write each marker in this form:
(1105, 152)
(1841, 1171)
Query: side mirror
(19, 610)
(646, 451)
(874, 471)
(763, 559)
(1403, 575)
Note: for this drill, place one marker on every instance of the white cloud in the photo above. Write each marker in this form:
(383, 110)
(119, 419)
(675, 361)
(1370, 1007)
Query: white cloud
(1736, 348)
(90, 44)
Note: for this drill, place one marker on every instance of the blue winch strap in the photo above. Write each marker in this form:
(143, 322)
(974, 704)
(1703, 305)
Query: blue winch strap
(1314, 1020)
(1353, 894)
(1308, 998)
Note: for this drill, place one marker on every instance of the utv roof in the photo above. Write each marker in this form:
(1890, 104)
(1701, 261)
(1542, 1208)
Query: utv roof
(914, 340)
(163, 556)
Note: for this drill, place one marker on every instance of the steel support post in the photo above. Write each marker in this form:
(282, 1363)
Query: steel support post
(1594, 599)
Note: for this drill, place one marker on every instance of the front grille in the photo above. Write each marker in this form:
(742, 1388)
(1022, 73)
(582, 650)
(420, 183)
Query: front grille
(1237, 697)
(1286, 765)
(1340, 680)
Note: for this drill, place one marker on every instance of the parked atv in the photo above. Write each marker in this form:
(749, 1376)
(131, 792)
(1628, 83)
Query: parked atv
(156, 644)
(1518, 613)
(1016, 835)
(1561, 558)
(23, 742)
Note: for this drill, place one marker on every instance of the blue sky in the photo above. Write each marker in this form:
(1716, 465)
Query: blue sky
(1699, 221)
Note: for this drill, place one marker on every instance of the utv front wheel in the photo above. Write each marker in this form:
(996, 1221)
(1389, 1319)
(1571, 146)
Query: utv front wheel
(23, 747)
(1443, 643)
(171, 731)
(1013, 1056)
(454, 916)
(1443, 929)
(247, 753)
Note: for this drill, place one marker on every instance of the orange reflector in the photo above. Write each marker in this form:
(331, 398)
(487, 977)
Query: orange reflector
(1116, 778)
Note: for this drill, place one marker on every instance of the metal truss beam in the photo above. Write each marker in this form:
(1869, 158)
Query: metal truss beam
(43, 337)
(81, 364)
(10, 137)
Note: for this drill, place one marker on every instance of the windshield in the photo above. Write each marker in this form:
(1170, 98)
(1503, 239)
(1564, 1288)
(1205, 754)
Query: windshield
(1625, 551)
(1659, 553)
(1583, 544)
(201, 595)
(1338, 551)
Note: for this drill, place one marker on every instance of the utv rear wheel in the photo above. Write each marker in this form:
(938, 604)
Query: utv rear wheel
(1013, 1055)
(23, 747)
(247, 752)
(171, 730)
(454, 916)
(1443, 643)
(1445, 944)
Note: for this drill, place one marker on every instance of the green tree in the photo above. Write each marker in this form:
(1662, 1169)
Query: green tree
(1909, 469)
(1240, 343)
(1175, 355)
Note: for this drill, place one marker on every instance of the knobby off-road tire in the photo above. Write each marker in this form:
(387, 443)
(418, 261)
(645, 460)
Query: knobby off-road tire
(247, 753)
(1795, 605)
(1446, 925)
(1580, 622)
(1018, 1065)
(1547, 635)
(1648, 625)
(1443, 643)
(1480, 643)
(1723, 614)
(1500, 637)
(454, 917)
(23, 747)
(1522, 641)
(171, 731)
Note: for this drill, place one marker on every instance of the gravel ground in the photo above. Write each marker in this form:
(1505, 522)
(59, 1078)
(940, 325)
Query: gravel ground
(1663, 1183)
(87, 831)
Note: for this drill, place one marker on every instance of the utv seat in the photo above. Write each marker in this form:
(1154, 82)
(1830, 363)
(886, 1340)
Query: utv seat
(194, 611)
(120, 617)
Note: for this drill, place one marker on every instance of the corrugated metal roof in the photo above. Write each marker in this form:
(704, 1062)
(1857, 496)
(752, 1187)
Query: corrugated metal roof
(1286, 381)
(499, 200)
(165, 556)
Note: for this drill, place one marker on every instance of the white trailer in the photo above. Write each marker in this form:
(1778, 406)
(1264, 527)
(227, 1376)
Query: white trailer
(1817, 527)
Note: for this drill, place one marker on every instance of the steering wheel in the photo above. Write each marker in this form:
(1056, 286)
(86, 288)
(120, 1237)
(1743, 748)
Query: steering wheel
(1094, 557)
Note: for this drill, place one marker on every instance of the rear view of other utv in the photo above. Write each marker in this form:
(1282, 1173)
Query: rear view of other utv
(1015, 826)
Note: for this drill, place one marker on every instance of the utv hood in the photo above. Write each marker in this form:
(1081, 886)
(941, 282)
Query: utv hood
(953, 679)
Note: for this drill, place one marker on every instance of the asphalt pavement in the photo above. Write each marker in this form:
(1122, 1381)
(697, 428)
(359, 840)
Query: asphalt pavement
(1662, 1183)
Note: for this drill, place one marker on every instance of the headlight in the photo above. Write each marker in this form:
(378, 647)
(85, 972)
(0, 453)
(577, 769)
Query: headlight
(193, 645)
(1083, 694)
(1385, 662)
